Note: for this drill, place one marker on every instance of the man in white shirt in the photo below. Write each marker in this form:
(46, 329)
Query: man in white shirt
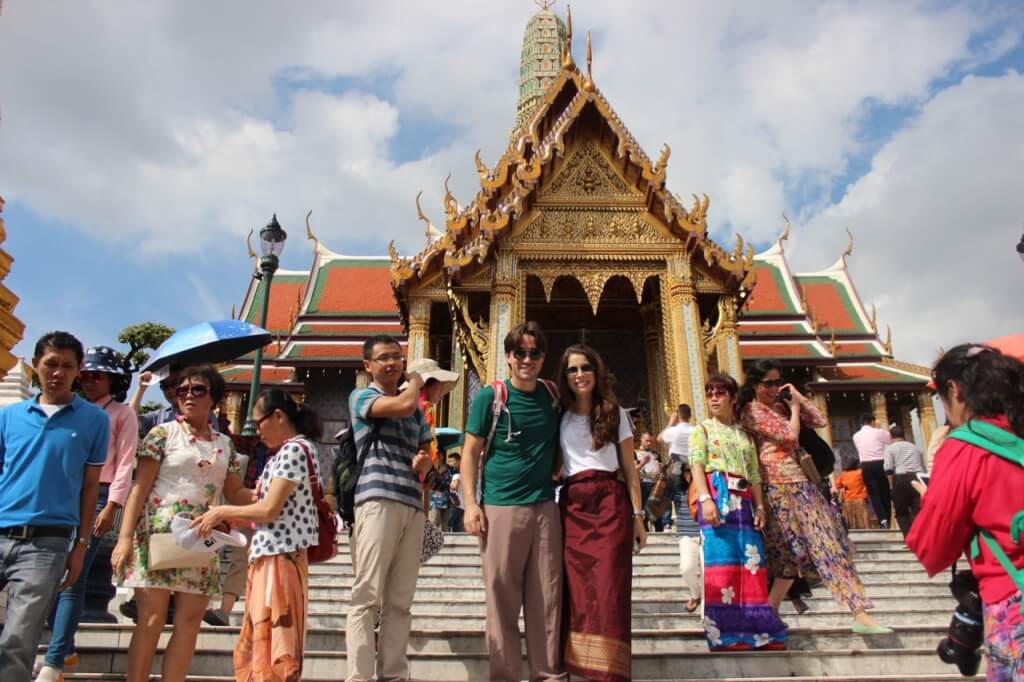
(870, 442)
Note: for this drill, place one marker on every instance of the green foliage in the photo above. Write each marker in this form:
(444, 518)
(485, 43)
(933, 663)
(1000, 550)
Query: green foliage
(149, 406)
(139, 337)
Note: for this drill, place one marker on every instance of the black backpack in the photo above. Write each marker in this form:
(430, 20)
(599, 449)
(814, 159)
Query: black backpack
(820, 452)
(348, 465)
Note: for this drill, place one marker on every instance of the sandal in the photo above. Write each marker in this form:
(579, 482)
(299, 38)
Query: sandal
(692, 605)
(800, 606)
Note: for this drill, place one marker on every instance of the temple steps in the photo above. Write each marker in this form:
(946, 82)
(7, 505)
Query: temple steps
(447, 642)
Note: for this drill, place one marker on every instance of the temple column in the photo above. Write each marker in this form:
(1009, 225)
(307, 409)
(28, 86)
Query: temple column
(234, 403)
(879, 410)
(656, 373)
(457, 396)
(907, 422)
(363, 378)
(926, 415)
(728, 346)
(687, 343)
(503, 306)
(419, 328)
(820, 400)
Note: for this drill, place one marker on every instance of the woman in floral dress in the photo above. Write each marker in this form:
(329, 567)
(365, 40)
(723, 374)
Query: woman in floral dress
(803, 530)
(731, 512)
(183, 465)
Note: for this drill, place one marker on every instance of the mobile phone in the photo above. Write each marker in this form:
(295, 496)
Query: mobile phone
(923, 477)
(785, 395)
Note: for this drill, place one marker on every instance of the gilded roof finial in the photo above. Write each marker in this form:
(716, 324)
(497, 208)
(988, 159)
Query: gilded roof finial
(888, 340)
(545, 5)
(832, 345)
(481, 167)
(431, 232)
(785, 232)
(309, 232)
(874, 319)
(588, 83)
(567, 62)
(252, 253)
(849, 245)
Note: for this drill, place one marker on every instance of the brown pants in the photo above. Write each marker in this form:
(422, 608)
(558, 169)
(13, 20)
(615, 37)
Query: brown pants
(522, 562)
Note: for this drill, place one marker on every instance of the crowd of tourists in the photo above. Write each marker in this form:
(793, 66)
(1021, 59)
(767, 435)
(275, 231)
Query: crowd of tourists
(548, 478)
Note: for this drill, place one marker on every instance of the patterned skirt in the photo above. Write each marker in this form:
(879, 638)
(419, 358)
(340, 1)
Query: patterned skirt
(273, 633)
(855, 513)
(1004, 640)
(737, 615)
(805, 530)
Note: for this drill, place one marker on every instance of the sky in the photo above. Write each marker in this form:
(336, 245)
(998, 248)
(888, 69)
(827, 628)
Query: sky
(141, 142)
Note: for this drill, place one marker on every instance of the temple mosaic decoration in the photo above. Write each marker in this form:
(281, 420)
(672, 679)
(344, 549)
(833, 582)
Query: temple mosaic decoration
(11, 328)
(574, 226)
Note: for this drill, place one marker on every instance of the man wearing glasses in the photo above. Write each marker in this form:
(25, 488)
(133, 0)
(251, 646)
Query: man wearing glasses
(165, 414)
(518, 523)
(388, 532)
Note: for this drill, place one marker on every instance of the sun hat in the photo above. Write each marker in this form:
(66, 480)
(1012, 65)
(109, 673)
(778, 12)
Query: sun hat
(429, 369)
(188, 538)
(101, 359)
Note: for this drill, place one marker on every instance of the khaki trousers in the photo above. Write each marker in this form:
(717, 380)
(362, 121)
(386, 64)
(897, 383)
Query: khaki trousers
(385, 548)
(238, 567)
(522, 562)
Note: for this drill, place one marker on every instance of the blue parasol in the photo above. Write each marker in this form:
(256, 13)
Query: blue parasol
(447, 438)
(216, 341)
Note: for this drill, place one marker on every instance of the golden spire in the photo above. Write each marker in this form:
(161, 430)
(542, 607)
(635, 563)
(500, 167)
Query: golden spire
(431, 232)
(588, 83)
(309, 232)
(567, 62)
(785, 232)
(252, 253)
(545, 5)
(849, 245)
(874, 319)
(888, 340)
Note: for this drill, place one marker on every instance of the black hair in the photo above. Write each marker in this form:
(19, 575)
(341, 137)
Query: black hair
(209, 375)
(378, 340)
(849, 460)
(991, 384)
(897, 431)
(754, 374)
(685, 412)
(528, 328)
(867, 418)
(304, 418)
(59, 341)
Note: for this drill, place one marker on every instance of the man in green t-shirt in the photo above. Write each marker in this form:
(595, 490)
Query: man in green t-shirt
(518, 523)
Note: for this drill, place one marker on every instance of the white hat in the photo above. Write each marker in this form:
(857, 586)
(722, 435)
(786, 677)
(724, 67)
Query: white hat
(429, 369)
(188, 538)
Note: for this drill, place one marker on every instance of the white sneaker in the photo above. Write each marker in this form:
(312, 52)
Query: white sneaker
(50, 674)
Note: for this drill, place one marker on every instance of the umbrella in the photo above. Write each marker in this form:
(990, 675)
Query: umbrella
(216, 341)
(447, 438)
(1012, 345)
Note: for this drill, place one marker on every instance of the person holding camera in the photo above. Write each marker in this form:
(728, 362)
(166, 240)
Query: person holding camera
(973, 504)
(803, 529)
(731, 513)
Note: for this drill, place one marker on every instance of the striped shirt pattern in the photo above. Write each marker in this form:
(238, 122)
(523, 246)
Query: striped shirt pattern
(387, 472)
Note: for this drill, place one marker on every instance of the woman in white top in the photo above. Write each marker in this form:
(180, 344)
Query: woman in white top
(285, 525)
(602, 519)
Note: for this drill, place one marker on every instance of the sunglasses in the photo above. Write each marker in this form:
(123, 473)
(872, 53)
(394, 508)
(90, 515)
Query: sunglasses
(715, 391)
(522, 354)
(90, 376)
(196, 390)
(772, 383)
(582, 369)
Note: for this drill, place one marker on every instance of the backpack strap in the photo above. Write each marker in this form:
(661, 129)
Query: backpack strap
(1016, 528)
(553, 391)
(498, 405)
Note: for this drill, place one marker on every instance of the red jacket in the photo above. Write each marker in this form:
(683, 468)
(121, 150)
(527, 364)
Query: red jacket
(970, 488)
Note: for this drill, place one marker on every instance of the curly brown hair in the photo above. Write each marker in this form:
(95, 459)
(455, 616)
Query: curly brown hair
(604, 412)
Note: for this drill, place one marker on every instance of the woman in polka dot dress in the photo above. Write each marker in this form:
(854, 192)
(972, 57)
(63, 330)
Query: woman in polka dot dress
(285, 524)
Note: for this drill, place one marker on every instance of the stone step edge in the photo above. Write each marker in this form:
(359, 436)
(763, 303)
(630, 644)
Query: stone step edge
(916, 677)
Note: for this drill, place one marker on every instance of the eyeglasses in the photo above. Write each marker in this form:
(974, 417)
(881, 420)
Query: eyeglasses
(582, 369)
(771, 383)
(387, 359)
(715, 391)
(259, 421)
(523, 353)
(196, 390)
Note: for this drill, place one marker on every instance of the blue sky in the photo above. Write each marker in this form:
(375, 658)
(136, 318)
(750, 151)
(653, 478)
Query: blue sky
(137, 146)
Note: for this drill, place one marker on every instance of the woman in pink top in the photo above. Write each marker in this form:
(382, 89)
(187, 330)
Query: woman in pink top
(973, 490)
(803, 529)
(101, 377)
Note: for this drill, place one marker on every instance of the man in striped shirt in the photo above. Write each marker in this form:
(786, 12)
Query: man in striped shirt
(388, 531)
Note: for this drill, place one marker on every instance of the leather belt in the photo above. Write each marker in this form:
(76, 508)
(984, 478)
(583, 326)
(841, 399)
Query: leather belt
(28, 532)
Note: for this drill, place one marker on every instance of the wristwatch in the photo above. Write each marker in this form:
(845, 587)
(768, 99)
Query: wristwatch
(82, 541)
(703, 498)
(638, 514)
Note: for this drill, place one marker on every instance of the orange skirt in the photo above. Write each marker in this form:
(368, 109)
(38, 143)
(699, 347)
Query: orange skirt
(273, 633)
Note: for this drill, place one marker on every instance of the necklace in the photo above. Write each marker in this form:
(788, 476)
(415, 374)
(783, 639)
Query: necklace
(204, 459)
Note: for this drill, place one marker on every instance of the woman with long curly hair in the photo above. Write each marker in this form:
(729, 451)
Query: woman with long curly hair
(602, 519)
(803, 531)
(973, 501)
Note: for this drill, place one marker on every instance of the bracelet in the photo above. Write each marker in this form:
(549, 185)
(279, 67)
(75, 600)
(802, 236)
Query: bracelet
(82, 541)
(638, 514)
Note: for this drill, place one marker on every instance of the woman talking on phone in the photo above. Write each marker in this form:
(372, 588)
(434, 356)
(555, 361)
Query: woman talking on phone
(731, 512)
(802, 529)
(601, 516)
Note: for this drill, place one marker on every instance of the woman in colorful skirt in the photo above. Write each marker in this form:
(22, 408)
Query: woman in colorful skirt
(602, 489)
(737, 615)
(803, 529)
(286, 524)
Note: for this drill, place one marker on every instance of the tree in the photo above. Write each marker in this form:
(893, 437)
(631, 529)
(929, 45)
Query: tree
(139, 337)
(149, 406)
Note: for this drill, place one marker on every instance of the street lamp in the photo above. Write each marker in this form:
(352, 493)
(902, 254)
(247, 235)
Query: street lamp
(1020, 247)
(272, 239)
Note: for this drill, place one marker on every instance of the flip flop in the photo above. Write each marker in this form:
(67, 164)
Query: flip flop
(692, 605)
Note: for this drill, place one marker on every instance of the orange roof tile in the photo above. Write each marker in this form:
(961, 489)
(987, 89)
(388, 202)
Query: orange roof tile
(803, 349)
(353, 286)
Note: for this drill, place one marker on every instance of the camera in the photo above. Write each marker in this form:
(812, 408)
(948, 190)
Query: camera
(785, 395)
(965, 635)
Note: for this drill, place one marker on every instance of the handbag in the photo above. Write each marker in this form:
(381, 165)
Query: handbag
(327, 529)
(807, 465)
(165, 553)
(433, 541)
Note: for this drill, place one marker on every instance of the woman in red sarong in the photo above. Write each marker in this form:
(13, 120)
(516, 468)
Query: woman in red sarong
(596, 438)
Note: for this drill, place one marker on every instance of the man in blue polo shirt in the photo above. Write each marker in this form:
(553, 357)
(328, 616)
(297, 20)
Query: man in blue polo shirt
(52, 448)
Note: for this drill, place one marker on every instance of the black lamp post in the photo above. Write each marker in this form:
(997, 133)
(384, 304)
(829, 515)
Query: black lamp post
(1020, 247)
(272, 239)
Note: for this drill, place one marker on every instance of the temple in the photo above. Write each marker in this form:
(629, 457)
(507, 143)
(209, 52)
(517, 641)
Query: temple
(574, 226)
(11, 328)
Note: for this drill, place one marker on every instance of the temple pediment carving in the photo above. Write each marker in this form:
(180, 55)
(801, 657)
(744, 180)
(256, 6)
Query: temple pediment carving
(587, 176)
(590, 226)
